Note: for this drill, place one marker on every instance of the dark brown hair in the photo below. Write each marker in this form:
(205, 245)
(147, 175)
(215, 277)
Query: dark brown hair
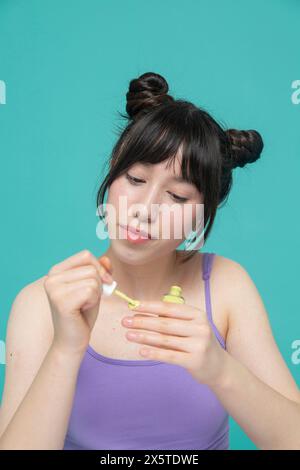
(158, 124)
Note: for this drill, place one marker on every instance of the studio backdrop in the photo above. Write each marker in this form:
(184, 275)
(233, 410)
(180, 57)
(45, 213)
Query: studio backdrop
(64, 71)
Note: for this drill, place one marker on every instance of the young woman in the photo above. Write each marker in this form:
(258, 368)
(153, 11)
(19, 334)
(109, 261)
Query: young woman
(76, 377)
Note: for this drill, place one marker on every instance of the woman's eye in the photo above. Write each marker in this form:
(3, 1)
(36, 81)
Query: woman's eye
(133, 180)
(178, 198)
(136, 181)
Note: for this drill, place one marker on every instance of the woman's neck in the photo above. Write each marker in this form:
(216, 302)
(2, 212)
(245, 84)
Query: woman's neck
(149, 280)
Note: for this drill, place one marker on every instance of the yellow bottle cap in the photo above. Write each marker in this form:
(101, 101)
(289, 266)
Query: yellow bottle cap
(175, 290)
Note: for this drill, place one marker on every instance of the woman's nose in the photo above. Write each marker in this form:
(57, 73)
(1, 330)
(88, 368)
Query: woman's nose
(146, 214)
(147, 209)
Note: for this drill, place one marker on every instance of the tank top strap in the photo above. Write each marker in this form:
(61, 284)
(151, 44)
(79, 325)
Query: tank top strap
(207, 264)
(206, 271)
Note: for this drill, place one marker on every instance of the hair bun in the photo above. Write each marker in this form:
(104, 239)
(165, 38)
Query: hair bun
(245, 146)
(145, 92)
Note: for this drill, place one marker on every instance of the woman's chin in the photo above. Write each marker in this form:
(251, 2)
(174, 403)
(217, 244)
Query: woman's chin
(133, 254)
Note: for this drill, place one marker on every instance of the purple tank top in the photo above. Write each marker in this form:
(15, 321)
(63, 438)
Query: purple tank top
(145, 404)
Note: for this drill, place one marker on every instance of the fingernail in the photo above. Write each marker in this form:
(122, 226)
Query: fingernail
(107, 278)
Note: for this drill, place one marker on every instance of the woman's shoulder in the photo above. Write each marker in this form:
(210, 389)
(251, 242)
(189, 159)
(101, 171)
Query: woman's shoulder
(222, 267)
(227, 265)
(224, 271)
(229, 270)
(33, 293)
(29, 320)
(233, 283)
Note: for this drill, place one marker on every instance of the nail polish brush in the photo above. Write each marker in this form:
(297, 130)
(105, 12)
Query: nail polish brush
(109, 289)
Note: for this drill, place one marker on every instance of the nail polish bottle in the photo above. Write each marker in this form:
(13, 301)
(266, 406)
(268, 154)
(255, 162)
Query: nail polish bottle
(174, 295)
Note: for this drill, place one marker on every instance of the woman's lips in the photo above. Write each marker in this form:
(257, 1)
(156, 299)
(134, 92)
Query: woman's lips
(135, 237)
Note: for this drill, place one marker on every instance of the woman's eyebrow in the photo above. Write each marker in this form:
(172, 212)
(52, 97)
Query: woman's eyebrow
(180, 179)
(177, 178)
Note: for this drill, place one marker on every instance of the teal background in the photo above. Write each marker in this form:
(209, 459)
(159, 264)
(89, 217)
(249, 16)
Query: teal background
(67, 65)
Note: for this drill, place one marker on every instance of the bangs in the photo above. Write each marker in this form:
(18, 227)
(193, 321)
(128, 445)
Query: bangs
(167, 134)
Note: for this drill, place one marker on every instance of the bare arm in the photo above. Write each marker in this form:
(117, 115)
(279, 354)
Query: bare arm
(45, 344)
(41, 420)
(256, 386)
(40, 380)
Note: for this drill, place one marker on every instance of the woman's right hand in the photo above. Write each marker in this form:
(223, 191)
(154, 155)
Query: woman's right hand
(74, 289)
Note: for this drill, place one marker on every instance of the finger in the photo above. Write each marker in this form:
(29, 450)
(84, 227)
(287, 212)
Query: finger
(169, 309)
(75, 274)
(165, 355)
(106, 262)
(79, 259)
(82, 258)
(85, 296)
(161, 325)
(158, 340)
(105, 272)
(76, 295)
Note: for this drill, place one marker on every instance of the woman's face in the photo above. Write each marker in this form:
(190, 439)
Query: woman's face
(153, 199)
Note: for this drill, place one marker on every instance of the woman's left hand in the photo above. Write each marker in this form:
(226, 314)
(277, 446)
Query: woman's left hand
(178, 334)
